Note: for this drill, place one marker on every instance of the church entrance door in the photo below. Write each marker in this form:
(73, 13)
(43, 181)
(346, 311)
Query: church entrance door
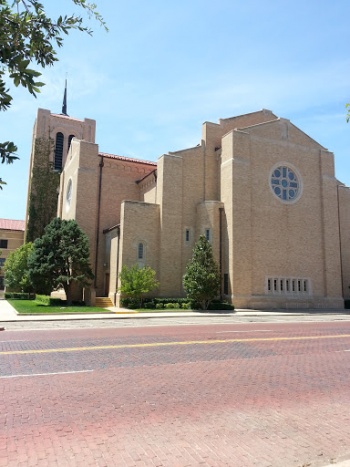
(107, 285)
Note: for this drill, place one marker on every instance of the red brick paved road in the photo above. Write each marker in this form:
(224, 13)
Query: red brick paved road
(272, 395)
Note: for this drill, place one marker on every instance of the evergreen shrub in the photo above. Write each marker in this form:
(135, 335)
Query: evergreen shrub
(48, 301)
(172, 306)
(202, 278)
(43, 299)
(19, 296)
(130, 302)
(59, 302)
(220, 306)
(161, 303)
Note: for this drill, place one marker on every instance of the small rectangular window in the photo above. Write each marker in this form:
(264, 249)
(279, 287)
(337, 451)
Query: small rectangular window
(287, 285)
(2, 261)
(187, 235)
(207, 234)
(140, 251)
(3, 243)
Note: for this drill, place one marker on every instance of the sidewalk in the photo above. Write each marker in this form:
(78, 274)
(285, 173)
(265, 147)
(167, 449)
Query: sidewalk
(9, 314)
(339, 464)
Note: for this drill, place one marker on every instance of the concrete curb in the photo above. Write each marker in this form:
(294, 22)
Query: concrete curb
(28, 318)
(339, 464)
(10, 315)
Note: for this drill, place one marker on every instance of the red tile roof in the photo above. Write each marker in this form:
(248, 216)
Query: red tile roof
(10, 224)
(127, 159)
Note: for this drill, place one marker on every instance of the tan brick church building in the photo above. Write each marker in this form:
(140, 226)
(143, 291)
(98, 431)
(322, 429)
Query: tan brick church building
(262, 191)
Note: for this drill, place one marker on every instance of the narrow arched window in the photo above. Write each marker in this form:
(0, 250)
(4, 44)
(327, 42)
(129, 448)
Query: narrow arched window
(207, 235)
(59, 151)
(140, 251)
(70, 137)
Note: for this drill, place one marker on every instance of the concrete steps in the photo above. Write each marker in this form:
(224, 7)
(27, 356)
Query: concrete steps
(103, 302)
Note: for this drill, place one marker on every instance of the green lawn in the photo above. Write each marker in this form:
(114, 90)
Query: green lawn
(24, 307)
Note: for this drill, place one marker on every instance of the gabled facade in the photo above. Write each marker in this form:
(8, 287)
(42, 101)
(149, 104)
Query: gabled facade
(262, 191)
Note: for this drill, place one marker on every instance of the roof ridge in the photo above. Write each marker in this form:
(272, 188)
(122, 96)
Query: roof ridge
(12, 224)
(126, 158)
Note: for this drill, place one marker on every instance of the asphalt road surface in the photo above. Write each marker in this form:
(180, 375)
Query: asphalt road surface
(219, 394)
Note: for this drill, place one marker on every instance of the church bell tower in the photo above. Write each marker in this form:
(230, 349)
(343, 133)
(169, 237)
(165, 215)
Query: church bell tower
(52, 136)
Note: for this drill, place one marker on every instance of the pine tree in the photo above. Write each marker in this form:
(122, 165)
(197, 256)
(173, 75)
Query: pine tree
(60, 258)
(202, 279)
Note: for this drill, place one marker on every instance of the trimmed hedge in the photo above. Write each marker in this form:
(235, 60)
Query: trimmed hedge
(57, 302)
(173, 303)
(160, 303)
(220, 306)
(156, 303)
(172, 306)
(129, 302)
(43, 299)
(48, 301)
(19, 296)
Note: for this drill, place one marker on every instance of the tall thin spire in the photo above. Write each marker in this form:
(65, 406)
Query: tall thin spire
(64, 105)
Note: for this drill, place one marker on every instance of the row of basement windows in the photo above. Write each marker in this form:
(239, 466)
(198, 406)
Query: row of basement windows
(59, 144)
(288, 285)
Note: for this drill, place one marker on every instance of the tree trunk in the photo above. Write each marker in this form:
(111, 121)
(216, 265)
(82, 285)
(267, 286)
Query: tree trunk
(68, 290)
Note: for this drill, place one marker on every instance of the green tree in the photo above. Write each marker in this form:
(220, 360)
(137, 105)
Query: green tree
(135, 282)
(348, 114)
(28, 40)
(202, 279)
(16, 269)
(60, 258)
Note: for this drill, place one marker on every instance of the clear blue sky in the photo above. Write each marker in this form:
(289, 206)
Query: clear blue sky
(165, 67)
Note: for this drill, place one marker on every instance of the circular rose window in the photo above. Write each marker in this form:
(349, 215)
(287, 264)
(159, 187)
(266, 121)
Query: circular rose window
(285, 183)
